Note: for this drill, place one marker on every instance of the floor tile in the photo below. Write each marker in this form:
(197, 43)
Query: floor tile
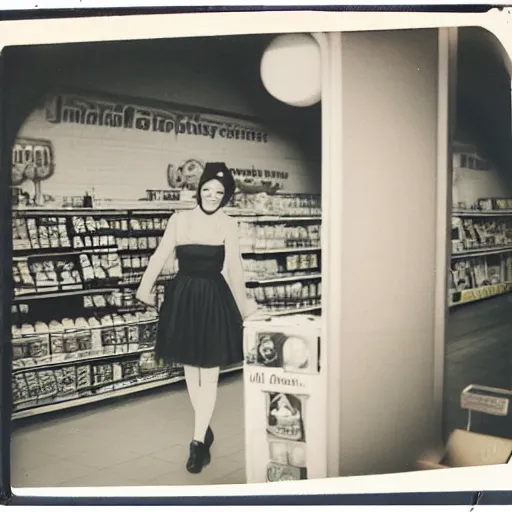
(50, 475)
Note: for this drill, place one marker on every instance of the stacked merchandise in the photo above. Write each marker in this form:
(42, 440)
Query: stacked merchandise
(481, 264)
(78, 332)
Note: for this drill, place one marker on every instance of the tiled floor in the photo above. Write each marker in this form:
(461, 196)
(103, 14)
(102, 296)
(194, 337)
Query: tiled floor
(478, 351)
(144, 440)
(138, 441)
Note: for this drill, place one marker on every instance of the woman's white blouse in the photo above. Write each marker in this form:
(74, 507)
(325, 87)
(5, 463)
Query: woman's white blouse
(195, 227)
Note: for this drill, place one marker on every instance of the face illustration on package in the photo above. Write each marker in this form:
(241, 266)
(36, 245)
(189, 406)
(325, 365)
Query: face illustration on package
(285, 416)
(267, 352)
(292, 352)
(295, 354)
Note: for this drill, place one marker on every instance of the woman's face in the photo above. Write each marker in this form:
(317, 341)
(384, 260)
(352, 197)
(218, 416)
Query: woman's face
(212, 193)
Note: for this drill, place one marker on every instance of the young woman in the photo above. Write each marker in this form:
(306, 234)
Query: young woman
(201, 318)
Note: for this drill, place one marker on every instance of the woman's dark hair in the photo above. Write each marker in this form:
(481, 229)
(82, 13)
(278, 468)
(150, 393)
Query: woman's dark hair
(220, 172)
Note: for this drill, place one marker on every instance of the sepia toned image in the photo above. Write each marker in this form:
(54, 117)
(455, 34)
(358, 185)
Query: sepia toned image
(155, 208)
(182, 311)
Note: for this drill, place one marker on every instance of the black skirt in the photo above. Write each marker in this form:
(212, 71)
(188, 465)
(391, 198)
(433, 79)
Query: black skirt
(200, 323)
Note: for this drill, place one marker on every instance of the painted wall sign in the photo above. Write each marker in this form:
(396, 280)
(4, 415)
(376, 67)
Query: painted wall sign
(118, 148)
(32, 159)
(252, 181)
(84, 111)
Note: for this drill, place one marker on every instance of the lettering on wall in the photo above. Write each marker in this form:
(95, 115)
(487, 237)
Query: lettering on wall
(32, 159)
(62, 109)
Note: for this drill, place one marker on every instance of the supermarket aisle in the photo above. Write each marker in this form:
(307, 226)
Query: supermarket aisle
(142, 440)
(478, 351)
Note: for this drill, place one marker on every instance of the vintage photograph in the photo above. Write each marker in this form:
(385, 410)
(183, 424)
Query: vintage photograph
(182, 312)
(161, 197)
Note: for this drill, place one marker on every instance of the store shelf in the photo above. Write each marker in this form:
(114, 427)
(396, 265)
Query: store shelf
(481, 252)
(81, 360)
(277, 218)
(284, 250)
(481, 213)
(476, 294)
(24, 254)
(131, 279)
(297, 311)
(68, 293)
(284, 279)
(128, 390)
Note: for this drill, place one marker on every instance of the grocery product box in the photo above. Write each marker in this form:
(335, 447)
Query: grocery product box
(466, 449)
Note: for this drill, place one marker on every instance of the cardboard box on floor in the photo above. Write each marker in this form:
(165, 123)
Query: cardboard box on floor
(466, 448)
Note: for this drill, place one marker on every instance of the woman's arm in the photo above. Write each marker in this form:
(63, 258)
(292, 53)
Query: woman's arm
(235, 271)
(162, 254)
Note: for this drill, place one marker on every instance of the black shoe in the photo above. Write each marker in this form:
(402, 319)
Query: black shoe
(198, 458)
(209, 438)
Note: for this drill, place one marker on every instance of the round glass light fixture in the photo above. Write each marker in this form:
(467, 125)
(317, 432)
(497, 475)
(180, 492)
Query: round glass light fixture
(291, 70)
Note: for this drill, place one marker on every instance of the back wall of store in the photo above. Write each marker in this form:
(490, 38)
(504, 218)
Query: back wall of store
(216, 79)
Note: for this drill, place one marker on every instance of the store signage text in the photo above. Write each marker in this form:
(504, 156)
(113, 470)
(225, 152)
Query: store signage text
(31, 160)
(273, 380)
(89, 112)
(260, 173)
(497, 406)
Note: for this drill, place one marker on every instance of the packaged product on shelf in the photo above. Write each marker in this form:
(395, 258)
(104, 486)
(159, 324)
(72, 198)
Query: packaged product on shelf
(121, 339)
(90, 224)
(47, 384)
(147, 364)
(45, 276)
(20, 349)
(148, 328)
(44, 238)
(83, 377)
(129, 369)
(20, 234)
(33, 234)
(96, 337)
(69, 336)
(19, 388)
(103, 373)
(23, 280)
(66, 380)
(39, 348)
(132, 331)
(108, 333)
(87, 270)
(56, 338)
(479, 266)
(99, 301)
(83, 335)
(32, 384)
(494, 273)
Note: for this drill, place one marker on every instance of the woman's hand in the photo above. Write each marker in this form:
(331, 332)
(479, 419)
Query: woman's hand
(258, 316)
(147, 298)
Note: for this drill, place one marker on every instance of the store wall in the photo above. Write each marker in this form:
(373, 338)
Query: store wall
(389, 140)
(483, 116)
(190, 73)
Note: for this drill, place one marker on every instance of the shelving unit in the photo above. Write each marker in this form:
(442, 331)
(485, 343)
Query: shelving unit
(56, 366)
(481, 260)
